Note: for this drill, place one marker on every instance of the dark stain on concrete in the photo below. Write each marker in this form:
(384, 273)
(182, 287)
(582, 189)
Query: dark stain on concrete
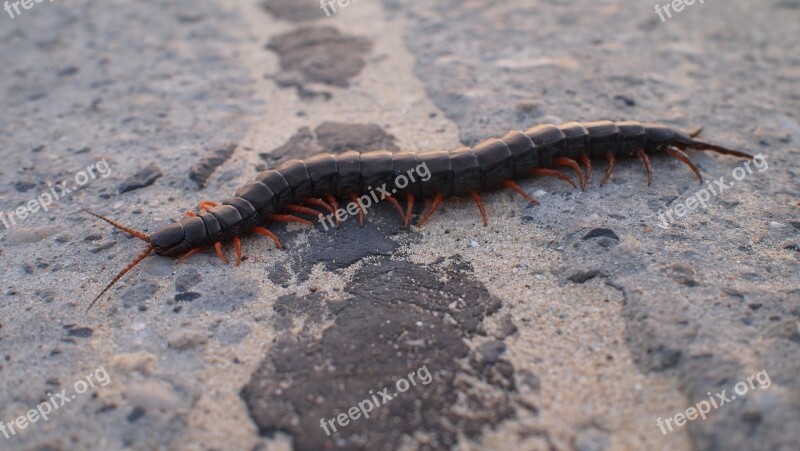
(338, 137)
(143, 178)
(301, 145)
(398, 318)
(350, 243)
(201, 171)
(319, 55)
(294, 10)
(335, 137)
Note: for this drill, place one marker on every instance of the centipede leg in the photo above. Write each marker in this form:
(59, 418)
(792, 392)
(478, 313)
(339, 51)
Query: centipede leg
(207, 205)
(335, 204)
(648, 167)
(553, 173)
(588, 164)
(218, 250)
(361, 212)
(294, 208)
(681, 155)
(288, 218)
(477, 198)
(183, 257)
(514, 186)
(237, 243)
(570, 163)
(409, 209)
(319, 203)
(266, 232)
(189, 214)
(612, 163)
(397, 206)
(437, 202)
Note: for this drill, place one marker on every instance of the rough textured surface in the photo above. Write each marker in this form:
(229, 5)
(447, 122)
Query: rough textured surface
(574, 324)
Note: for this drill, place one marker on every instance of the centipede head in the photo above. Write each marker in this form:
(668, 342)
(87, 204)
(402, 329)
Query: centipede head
(130, 231)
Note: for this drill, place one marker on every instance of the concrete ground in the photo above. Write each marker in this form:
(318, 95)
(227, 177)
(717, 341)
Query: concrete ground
(598, 320)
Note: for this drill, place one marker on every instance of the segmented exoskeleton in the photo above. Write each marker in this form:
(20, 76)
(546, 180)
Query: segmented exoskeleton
(291, 189)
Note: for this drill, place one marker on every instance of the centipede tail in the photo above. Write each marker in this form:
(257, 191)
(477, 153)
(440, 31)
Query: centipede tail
(299, 188)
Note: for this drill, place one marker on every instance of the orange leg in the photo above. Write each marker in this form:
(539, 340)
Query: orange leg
(437, 202)
(189, 214)
(237, 243)
(477, 198)
(302, 210)
(218, 249)
(588, 163)
(512, 185)
(318, 203)
(397, 206)
(612, 163)
(265, 232)
(553, 173)
(570, 163)
(335, 204)
(409, 209)
(183, 257)
(647, 165)
(288, 218)
(361, 211)
(681, 155)
(207, 205)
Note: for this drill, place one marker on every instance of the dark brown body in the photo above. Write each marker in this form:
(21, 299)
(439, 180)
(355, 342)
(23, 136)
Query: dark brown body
(457, 172)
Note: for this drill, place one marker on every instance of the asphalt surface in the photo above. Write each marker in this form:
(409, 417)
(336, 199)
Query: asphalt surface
(597, 320)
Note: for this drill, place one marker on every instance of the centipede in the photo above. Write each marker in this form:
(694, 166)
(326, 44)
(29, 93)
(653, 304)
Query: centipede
(299, 188)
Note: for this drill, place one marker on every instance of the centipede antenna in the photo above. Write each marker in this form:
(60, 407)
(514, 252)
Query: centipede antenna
(130, 231)
(702, 145)
(135, 262)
